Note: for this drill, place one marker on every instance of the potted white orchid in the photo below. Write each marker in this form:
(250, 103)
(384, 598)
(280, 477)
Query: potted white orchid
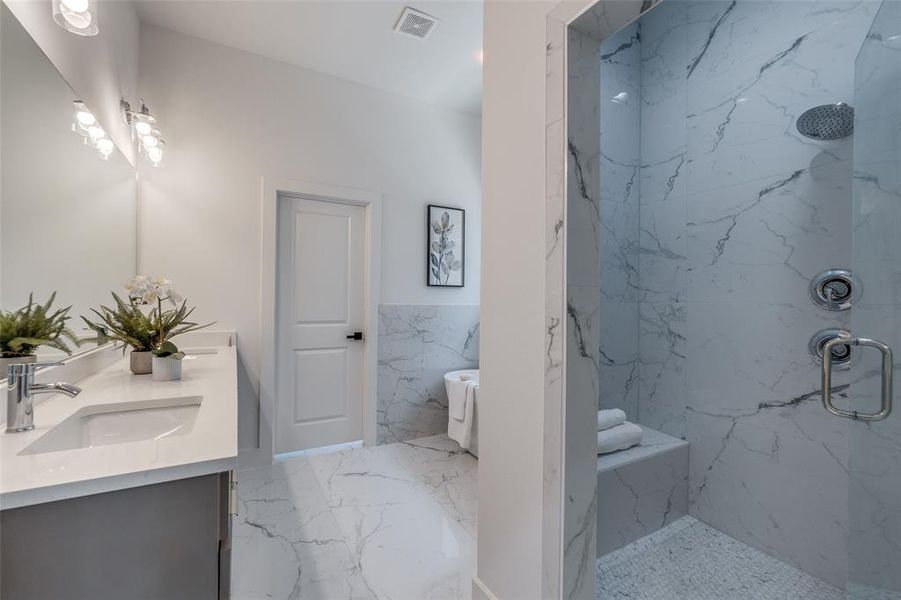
(149, 333)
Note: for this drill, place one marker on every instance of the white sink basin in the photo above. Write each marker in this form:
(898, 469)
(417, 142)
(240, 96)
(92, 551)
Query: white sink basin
(118, 423)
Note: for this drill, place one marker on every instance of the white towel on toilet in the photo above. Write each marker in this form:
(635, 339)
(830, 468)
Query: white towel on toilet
(619, 437)
(460, 430)
(610, 417)
(457, 389)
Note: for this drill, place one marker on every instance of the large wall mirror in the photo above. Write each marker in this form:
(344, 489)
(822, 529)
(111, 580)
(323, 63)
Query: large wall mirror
(68, 217)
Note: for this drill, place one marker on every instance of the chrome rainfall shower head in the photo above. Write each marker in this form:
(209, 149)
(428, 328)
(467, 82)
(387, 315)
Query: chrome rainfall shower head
(827, 122)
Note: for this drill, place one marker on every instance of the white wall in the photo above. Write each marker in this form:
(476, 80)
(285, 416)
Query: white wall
(512, 308)
(230, 118)
(102, 69)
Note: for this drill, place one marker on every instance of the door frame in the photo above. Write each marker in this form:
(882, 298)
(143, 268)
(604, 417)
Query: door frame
(272, 189)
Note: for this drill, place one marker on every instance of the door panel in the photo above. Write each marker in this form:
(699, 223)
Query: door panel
(874, 464)
(320, 302)
(318, 236)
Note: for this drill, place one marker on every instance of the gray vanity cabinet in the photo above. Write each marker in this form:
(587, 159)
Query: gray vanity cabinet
(165, 541)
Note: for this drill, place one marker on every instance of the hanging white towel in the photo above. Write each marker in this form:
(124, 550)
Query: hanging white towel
(456, 396)
(461, 430)
(619, 438)
(610, 417)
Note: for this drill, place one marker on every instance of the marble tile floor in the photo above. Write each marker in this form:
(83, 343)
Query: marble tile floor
(688, 560)
(393, 522)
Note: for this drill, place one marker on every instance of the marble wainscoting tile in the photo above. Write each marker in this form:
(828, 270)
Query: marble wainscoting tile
(741, 124)
(582, 316)
(664, 141)
(390, 519)
(762, 241)
(418, 344)
(555, 301)
(750, 362)
(619, 252)
(874, 497)
(781, 494)
(663, 262)
(618, 357)
(662, 354)
(665, 416)
(620, 57)
(663, 52)
(286, 542)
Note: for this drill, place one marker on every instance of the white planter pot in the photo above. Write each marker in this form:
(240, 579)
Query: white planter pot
(166, 369)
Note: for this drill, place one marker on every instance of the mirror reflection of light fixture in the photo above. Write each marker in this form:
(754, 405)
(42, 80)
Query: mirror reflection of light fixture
(144, 130)
(85, 124)
(75, 16)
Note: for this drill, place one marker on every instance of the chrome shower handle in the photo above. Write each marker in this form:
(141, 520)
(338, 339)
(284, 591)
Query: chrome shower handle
(887, 364)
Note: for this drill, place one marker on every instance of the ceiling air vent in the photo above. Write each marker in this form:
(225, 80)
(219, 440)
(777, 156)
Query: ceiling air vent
(416, 23)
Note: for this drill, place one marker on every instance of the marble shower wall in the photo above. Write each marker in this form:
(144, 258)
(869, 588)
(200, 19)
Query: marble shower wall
(735, 212)
(620, 82)
(418, 344)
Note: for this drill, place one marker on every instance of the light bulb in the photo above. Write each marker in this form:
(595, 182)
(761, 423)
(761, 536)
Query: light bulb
(78, 20)
(105, 146)
(96, 132)
(85, 118)
(75, 5)
(150, 141)
(143, 128)
(155, 155)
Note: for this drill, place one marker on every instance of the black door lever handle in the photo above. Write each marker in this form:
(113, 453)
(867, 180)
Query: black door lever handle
(356, 335)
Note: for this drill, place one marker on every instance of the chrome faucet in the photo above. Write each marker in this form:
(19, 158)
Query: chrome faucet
(20, 392)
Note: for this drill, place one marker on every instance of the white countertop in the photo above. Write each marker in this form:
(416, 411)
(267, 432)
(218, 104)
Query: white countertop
(210, 447)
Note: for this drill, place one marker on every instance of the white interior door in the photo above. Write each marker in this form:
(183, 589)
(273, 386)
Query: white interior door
(319, 371)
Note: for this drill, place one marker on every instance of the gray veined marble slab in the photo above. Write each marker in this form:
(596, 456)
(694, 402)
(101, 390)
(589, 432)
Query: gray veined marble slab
(392, 522)
(418, 344)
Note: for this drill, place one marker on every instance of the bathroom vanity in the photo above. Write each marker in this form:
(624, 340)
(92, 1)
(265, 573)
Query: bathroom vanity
(126, 490)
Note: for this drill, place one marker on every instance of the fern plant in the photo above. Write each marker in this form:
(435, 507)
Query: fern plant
(23, 331)
(150, 331)
(126, 324)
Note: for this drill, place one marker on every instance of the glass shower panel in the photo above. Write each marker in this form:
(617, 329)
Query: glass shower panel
(731, 178)
(874, 463)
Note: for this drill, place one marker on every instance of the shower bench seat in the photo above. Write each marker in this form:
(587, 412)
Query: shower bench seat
(641, 489)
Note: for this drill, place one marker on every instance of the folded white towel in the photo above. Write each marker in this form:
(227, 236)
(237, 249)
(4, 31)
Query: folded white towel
(618, 438)
(610, 417)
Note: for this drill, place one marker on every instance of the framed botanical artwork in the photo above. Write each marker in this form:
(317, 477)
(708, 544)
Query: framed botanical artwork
(446, 262)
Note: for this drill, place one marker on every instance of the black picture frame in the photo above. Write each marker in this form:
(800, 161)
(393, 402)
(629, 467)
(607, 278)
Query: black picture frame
(437, 264)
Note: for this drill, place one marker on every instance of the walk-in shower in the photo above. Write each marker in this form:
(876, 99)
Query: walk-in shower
(744, 161)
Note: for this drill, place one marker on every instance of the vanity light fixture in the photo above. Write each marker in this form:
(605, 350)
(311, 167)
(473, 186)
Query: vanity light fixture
(144, 130)
(75, 16)
(85, 124)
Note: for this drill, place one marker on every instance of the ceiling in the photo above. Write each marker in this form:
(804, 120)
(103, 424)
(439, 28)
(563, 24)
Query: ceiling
(351, 39)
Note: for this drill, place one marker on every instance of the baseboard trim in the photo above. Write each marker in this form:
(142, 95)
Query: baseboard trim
(480, 591)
